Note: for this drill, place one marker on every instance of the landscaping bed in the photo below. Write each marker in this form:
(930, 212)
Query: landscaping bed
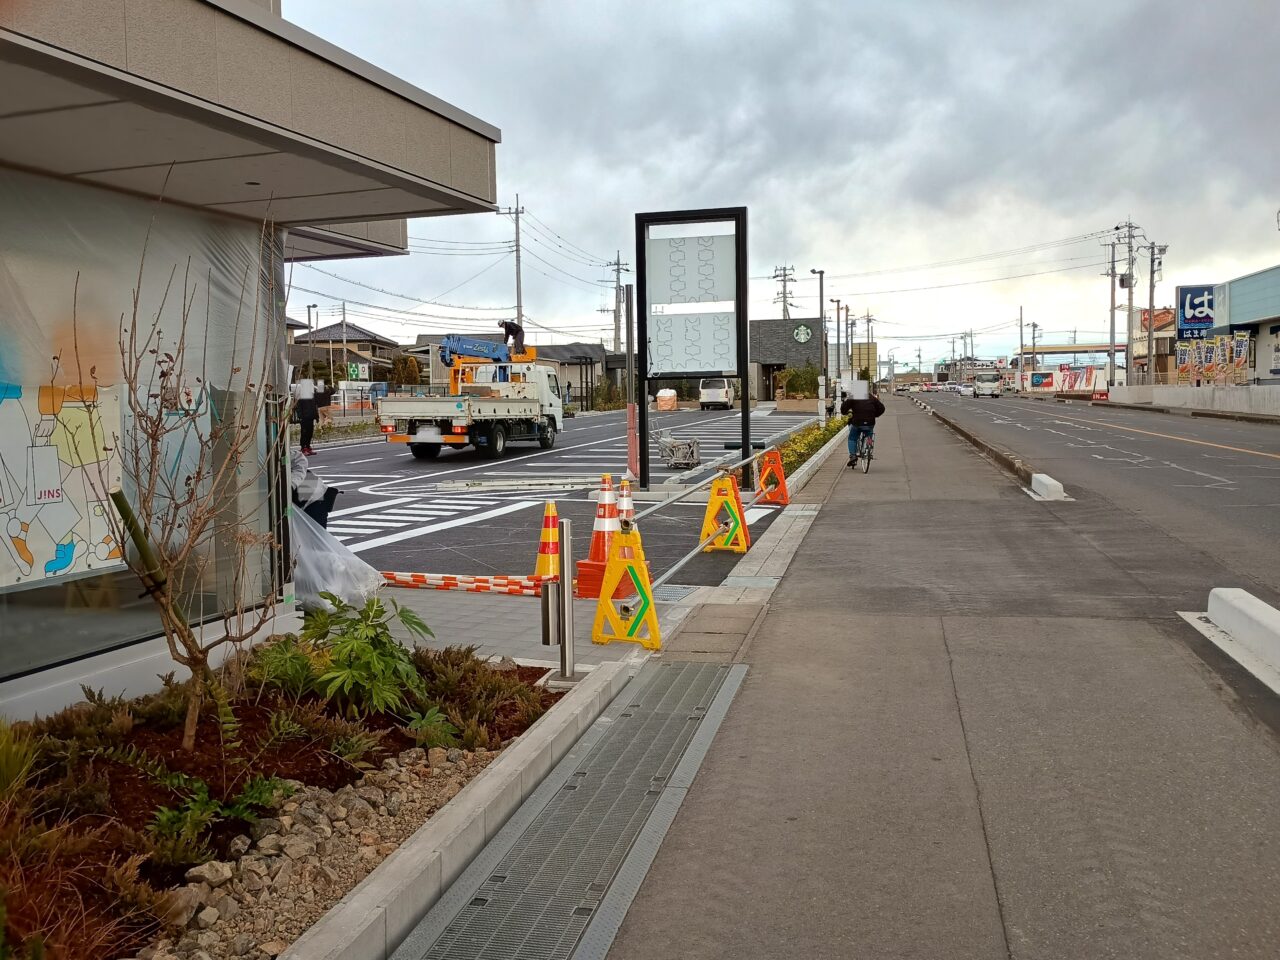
(315, 756)
(806, 442)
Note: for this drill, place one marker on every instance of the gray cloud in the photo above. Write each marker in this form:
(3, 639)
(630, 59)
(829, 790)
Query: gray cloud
(861, 135)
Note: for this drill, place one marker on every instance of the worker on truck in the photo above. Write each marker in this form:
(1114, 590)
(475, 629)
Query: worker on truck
(514, 335)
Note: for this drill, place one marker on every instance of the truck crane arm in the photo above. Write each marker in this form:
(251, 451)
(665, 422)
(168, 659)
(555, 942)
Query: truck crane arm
(455, 345)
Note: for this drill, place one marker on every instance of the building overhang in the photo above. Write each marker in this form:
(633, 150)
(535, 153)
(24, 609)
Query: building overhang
(311, 137)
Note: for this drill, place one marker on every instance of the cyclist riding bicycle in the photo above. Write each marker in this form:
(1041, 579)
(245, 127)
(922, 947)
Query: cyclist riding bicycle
(862, 413)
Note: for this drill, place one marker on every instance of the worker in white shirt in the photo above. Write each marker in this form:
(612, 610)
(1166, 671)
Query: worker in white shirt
(304, 393)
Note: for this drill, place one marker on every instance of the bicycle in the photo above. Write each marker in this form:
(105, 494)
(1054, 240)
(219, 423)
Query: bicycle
(863, 452)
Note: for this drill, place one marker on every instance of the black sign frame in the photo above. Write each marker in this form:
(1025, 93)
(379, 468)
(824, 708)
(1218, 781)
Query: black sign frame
(738, 216)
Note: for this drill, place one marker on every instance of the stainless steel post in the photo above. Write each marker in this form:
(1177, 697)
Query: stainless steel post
(566, 599)
(551, 612)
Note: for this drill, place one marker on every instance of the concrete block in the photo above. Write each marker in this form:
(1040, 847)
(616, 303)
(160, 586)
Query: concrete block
(505, 800)
(1253, 624)
(462, 844)
(1047, 488)
(415, 884)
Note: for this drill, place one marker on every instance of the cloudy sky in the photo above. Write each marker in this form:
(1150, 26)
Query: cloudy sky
(879, 141)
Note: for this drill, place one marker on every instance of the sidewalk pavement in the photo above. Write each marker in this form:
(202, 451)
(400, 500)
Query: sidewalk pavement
(970, 729)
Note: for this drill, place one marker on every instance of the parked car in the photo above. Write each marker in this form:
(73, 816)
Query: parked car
(965, 389)
(715, 392)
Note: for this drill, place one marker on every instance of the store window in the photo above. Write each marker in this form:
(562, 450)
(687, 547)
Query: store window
(74, 412)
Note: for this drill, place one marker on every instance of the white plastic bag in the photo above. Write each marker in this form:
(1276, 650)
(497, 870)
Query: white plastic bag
(321, 563)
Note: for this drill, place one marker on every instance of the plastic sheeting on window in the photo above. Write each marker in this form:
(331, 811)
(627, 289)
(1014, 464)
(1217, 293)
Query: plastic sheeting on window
(72, 259)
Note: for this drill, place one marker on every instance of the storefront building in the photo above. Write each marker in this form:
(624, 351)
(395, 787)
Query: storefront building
(160, 164)
(1252, 304)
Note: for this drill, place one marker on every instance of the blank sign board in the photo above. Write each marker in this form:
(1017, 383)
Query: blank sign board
(691, 270)
(692, 342)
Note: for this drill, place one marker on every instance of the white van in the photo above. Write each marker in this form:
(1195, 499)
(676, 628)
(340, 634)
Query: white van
(988, 384)
(715, 392)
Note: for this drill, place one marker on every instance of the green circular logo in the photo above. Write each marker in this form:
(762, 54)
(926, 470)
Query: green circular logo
(803, 333)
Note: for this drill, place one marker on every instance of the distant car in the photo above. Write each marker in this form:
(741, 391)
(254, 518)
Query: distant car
(965, 389)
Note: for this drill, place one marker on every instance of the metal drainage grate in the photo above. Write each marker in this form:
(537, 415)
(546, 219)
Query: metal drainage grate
(539, 898)
(672, 593)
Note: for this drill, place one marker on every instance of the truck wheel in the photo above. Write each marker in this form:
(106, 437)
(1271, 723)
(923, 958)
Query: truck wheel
(497, 442)
(547, 439)
(425, 451)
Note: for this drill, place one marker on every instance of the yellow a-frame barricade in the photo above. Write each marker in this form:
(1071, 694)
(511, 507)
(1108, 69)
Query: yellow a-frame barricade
(725, 496)
(634, 620)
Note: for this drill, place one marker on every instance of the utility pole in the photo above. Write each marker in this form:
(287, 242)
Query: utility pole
(1022, 351)
(1129, 285)
(1035, 358)
(839, 365)
(784, 276)
(515, 212)
(1111, 353)
(822, 321)
(919, 365)
(344, 353)
(871, 374)
(618, 267)
(1157, 252)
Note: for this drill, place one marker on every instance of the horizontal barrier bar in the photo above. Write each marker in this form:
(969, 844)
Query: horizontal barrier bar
(719, 532)
(514, 586)
(700, 484)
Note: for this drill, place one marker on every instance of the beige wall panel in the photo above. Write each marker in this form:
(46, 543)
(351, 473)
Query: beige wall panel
(252, 77)
(394, 233)
(470, 158)
(174, 43)
(322, 98)
(91, 28)
(377, 125)
(427, 142)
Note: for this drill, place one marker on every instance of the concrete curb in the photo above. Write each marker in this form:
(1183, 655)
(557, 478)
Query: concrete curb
(809, 469)
(1191, 412)
(372, 920)
(1003, 458)
(1253, 624)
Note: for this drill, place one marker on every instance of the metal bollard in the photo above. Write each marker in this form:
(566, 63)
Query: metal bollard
(566, 599)
(551, 592)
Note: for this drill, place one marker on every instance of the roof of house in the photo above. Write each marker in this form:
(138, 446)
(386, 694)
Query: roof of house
(334, 333)
(292, 324)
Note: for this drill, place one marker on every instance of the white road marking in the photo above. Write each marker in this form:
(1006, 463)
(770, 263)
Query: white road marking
(373, 525)
(444, 525)
(347, 511)
(352, 463)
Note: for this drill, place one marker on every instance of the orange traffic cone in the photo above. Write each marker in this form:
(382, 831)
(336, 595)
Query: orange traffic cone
(548, 564)
(591, 570)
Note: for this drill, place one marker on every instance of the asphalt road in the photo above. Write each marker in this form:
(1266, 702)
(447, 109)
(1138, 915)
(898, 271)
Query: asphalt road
(396, 515)
(1212, 484)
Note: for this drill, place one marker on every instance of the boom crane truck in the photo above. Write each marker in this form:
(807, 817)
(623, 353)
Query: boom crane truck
(494, 398)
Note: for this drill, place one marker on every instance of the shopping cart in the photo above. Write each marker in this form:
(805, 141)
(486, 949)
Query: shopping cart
(682, 452)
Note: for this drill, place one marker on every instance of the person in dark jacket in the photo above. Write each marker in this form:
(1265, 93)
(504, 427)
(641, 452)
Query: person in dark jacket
(862, 416)
(514, 335)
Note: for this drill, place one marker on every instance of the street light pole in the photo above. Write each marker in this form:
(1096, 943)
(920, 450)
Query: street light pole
(1111, 353)
(822, 326)
(1157, 252)
(836, 301)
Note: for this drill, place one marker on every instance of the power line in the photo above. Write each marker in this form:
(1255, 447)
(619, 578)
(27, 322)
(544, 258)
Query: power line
(969, 283)
(402, 296)
(554, 246)
(476, 243)
(546, 226)
(594, 283)
(505, 248)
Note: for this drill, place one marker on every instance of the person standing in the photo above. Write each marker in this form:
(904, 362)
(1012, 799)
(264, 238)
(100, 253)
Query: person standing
(513, 333)
(304, 394)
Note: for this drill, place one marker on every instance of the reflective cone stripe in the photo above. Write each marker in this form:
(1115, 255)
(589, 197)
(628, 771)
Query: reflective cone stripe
(626, 509)
(548, 564)
(606, 526)
(771, 470)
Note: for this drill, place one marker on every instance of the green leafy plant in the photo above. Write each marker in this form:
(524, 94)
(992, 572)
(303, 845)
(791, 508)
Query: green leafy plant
(282, 727)
(370, 671)
(287, 665)
(353, 747)
(178, 834)
(432, 728)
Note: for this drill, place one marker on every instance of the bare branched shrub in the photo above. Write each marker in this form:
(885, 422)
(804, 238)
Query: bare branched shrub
(201, 452)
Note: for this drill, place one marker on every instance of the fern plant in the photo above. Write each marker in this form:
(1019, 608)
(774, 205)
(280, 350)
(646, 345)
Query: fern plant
(370, 672)
(432, 728)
